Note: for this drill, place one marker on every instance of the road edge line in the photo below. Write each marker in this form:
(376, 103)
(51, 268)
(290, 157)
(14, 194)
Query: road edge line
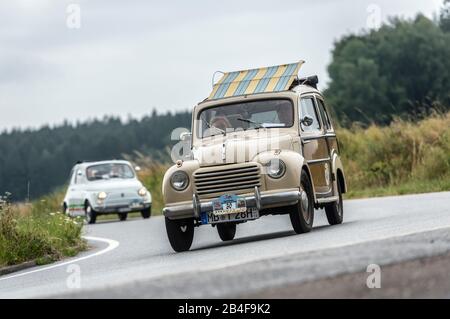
(112, 244)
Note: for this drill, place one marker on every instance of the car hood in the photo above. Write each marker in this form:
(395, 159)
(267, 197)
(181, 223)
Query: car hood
(239, 148)
(113, 184)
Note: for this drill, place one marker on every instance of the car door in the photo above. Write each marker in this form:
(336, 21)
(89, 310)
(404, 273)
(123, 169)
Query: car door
(330, 134)
(314, 145)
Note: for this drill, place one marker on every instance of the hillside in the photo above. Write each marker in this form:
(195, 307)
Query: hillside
(44, 157)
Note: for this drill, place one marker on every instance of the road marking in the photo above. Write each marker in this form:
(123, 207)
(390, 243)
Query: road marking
(112, 244)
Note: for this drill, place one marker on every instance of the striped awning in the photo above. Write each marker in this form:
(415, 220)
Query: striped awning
(269, 79)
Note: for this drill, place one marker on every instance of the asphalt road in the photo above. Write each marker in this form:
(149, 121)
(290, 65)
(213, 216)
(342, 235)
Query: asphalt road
(134, 259)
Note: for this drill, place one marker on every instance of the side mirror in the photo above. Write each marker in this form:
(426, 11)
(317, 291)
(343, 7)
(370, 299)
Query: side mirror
(307, 120)
(185, 136)
(137, 168)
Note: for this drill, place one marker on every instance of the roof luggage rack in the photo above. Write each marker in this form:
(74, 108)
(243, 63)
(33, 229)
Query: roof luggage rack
(262, 80)
(312, 81)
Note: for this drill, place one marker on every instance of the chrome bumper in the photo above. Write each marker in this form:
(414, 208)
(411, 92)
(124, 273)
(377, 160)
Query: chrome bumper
(258, 200)
(125, 208)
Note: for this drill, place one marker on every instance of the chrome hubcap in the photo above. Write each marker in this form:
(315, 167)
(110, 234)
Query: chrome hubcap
(305, 205)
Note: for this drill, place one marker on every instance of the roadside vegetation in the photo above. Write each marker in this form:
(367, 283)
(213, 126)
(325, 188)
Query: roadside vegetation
(37, 232)
(404, 157)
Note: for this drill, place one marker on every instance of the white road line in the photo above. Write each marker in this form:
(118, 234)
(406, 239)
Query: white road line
(112, 244)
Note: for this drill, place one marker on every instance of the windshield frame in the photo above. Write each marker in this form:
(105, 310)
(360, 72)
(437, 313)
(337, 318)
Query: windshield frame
(199, 120)
(109, 179)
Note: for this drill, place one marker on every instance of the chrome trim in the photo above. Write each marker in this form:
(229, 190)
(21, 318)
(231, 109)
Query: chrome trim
(318, 161)
(257, 198)
(266, 201)
(327, 200)
(196, 205)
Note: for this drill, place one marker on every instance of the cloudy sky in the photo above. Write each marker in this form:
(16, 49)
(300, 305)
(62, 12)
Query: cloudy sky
(128, 57)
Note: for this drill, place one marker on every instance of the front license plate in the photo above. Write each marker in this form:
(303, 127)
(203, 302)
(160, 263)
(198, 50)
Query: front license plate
(211, 218)
(135, 205)
(229, 204)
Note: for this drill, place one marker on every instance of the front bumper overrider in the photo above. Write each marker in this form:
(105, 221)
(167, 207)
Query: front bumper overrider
(260, 200)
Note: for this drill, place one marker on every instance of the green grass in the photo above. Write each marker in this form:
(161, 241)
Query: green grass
(37, 232)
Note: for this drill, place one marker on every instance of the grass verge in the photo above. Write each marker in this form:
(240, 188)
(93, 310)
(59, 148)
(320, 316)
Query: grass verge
(32, 232)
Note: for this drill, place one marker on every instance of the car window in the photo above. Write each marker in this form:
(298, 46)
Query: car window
(307, 108)
(109, 171)
(324, 115)
(268, 113)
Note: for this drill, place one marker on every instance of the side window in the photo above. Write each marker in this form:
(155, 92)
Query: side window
(324, 114)
(307, 108)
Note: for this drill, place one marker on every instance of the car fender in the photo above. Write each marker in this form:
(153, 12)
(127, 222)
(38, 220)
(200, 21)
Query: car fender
(337, 166)
(294, 161)
(170, 195)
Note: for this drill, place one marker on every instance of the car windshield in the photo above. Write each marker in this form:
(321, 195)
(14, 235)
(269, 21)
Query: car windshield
(273, 113)
(108, 171)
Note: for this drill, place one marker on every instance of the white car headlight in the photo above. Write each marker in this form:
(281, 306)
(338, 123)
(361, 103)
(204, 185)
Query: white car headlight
(102, 195)
(276, 168)
(179, 180)
(142, 192)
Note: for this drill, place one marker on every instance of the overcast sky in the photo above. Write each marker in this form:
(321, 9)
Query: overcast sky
(129, 57)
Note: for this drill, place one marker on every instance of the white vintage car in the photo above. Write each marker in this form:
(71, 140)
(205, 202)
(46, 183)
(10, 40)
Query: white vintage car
(106, 187)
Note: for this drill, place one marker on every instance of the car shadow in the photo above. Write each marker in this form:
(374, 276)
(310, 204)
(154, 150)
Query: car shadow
(262, 237)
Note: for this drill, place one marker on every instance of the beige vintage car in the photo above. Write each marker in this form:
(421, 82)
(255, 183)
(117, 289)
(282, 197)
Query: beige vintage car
(262, 143)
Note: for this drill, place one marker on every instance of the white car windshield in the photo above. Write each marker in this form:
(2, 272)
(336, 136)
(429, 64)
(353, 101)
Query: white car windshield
(270, 113)
(108, 171)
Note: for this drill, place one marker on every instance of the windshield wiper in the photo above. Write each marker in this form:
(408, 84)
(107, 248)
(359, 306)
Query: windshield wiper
(213, 127)
(257, 124)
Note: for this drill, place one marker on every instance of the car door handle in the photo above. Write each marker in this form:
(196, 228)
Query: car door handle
(306, 142)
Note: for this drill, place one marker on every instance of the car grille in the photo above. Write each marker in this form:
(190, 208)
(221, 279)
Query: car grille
(236, 179)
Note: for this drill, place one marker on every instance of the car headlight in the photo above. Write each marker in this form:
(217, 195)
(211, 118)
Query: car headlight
(142, 192)
(102, 195)
(179, 180)
(276, 168)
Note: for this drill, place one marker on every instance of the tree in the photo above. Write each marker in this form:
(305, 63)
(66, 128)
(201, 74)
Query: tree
(445, 17)
(401, 69)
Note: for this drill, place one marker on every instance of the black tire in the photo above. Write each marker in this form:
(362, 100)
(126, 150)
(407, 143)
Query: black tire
(123, 217)
(146, 213)
(302, 214)
(226, 231)
(90, 213)
(65, 212)
(335, 211)
(180, 233)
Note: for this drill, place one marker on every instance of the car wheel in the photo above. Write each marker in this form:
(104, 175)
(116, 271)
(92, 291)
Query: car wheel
(123, 217)
(335, 211)
(180, 233)
(146, 213)
(226, 231)
(65, 212)
(302, 214)
(91, 214)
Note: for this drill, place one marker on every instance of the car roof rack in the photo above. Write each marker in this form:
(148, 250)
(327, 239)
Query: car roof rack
(312, 81)
(275, 78)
